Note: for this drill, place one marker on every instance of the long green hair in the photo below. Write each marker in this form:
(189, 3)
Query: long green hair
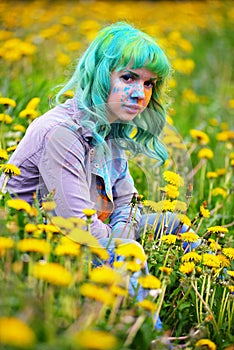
(116, 47)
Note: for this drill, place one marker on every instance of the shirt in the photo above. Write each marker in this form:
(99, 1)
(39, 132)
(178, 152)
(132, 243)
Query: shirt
(56, 153)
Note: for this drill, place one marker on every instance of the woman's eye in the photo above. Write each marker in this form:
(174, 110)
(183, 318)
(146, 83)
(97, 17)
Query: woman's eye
(127, 77)
(149, 84)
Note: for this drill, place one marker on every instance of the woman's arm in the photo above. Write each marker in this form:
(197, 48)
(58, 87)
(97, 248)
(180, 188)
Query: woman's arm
(126, 216)
(65, 168)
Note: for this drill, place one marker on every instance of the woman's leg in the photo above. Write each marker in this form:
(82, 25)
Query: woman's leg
(168, 220)
(133, 285)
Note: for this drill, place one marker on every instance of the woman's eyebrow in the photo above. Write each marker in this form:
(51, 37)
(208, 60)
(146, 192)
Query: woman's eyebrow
(137, 75)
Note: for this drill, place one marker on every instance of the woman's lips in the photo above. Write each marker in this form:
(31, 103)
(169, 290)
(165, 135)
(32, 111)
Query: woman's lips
(132, 108)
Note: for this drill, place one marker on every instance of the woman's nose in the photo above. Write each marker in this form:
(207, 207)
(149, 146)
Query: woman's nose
(138, 92)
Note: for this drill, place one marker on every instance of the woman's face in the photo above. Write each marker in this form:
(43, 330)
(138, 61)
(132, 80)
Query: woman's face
(131, 91)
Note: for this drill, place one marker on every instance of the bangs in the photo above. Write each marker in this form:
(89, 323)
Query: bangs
(144, 54)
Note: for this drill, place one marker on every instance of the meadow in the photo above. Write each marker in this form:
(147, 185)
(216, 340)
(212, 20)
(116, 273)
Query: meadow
(51, 294)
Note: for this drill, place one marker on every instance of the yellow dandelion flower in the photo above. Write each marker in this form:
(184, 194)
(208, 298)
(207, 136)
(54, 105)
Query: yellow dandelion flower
(205, 213)
(169, 239)
(19, 204)
(231, 288)
(102, 253)
(3, 154)
(214, 246)
(205, 344)
(221, 171)
(33, 103)
(189, 237)
(211, 175)
(200, 136)
(173, 178)
(166, 270)
(77, 221)
(5, 243)
(68, 93)
(6, 102)
(184, 219)
(63, 59)
(187, 268)
(132, 266)
(71, 249)
(152, 205)
(30, 228)
(105, 275)
(89, 212)
(11, 148)
(34, 245)
(48, 205)
(223, 260)
(100, 294)
(95, 340)
(84, 238)
(185, 66)
(147, 305)
(231, 103)
(179, 205)
(11, 170)
(161, 206)
(29, 113)
(118, 264)
(48, 228)
(118, 291)
(213, 121)
(229, 252)
(149, 282)
(170, 190)
(217, 229)
(225, 135)
(19, 127)
(210, 260)
(5, 118)
(14, 332)
(131, 250)
(62, 223)
(219, 191)
(191, 256)
(205, 153)
(52, 273)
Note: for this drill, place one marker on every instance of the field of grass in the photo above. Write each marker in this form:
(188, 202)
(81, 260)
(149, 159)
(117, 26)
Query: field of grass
(51, 297)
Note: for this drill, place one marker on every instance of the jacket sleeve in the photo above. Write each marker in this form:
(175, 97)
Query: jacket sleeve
(63, 168)
(126, 216)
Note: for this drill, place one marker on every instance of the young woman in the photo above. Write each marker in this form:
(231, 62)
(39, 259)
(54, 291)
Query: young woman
(77, 148)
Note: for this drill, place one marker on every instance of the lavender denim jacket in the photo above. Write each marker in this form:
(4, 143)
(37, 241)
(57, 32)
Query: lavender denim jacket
(56, 154)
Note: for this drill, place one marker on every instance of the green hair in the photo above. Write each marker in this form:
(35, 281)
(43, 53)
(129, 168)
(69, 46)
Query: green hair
(116, 47)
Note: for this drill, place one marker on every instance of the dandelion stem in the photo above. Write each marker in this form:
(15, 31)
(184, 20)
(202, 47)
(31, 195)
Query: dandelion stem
(134, 329)
(166, 257)
(144, 232)
(212, 298)
(206, 306)
(202, 180)
(5, 183)
(202, 294)
(196, 169)
(223, 306)
(160, 301)
(197, 306)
